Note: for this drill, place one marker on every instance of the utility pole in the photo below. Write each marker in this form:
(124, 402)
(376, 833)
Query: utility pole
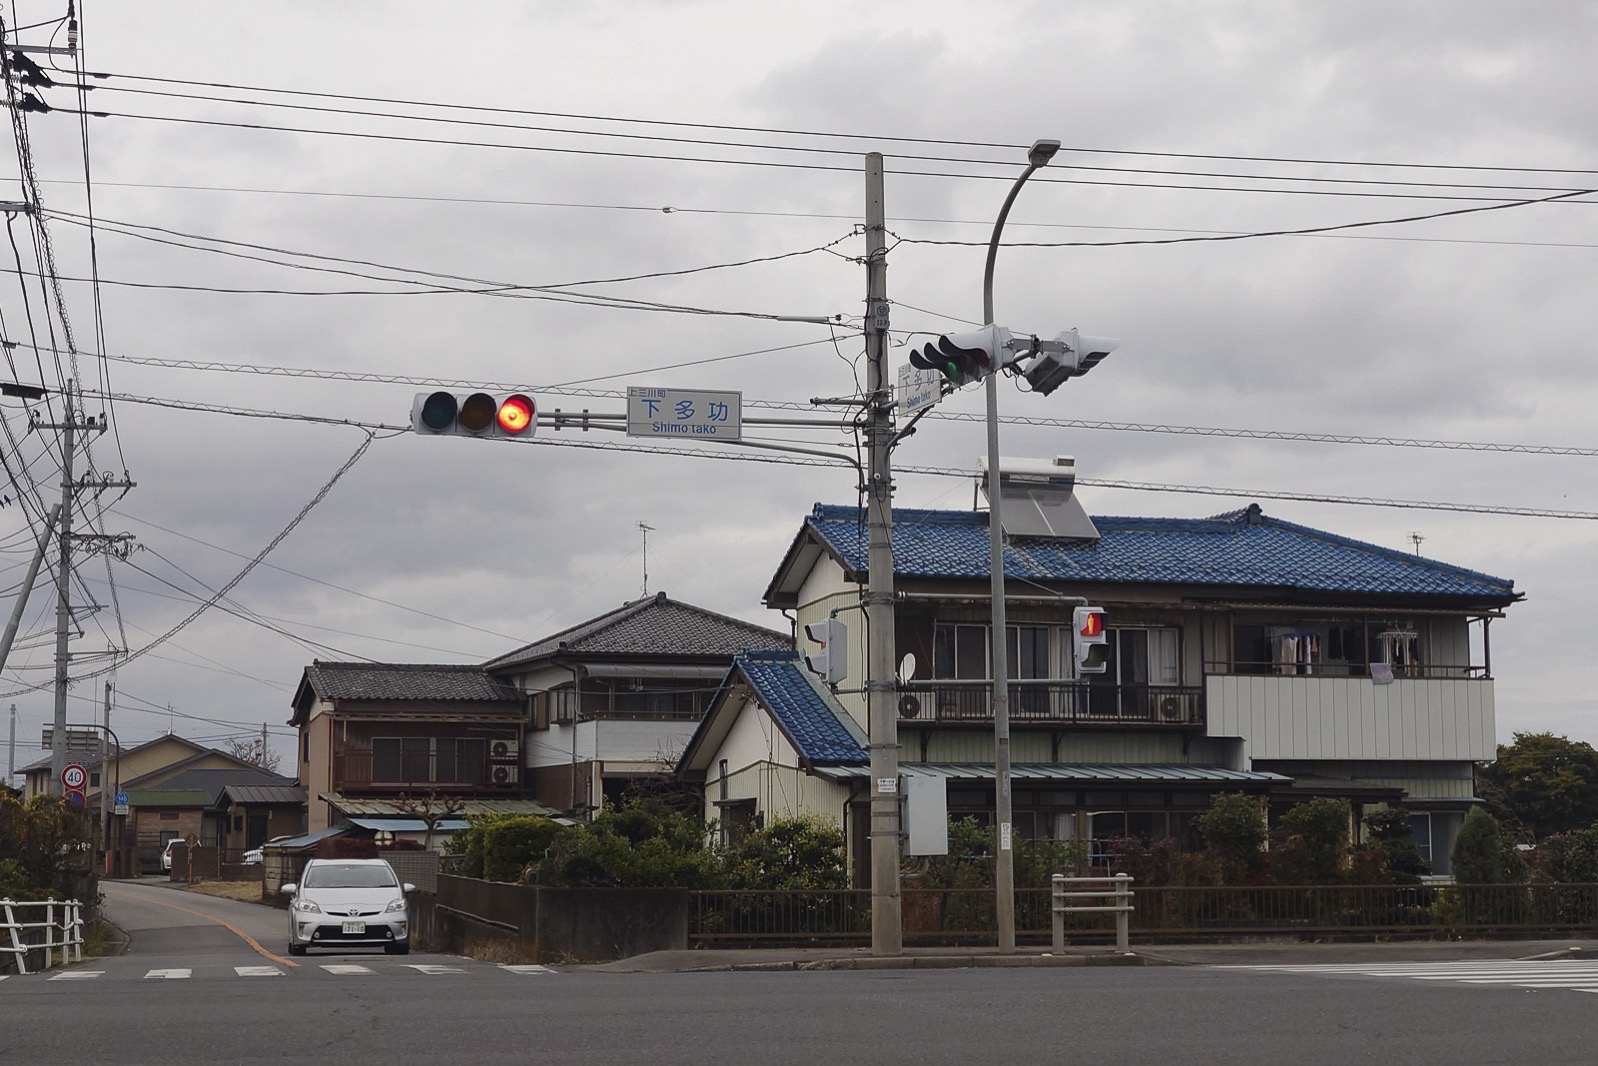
(63, 599)
(105, 781)
(263, 746)
(887, 934)
(69, 428)
(11, 751)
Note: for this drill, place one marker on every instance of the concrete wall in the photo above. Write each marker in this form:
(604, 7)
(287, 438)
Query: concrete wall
(559, 924)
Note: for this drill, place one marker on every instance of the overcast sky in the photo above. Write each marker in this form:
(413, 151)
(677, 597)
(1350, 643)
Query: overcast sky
(680, 141)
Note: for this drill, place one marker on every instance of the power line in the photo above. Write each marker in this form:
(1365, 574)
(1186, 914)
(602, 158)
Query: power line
(1009, 149)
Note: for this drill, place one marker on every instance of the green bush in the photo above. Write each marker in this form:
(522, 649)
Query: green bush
(640, 844)
(43, 844)
(1478, 855)
(1314, 843)
(1234, 830)
(801, 853)
(511, 844)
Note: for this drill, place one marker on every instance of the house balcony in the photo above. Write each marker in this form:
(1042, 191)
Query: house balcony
(355, 770)
(1055, 702)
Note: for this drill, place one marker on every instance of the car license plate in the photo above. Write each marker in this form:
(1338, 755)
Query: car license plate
(354, 927)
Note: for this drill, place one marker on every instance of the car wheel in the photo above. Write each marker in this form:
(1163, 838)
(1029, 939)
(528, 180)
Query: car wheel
(296, 949)
(397, 949)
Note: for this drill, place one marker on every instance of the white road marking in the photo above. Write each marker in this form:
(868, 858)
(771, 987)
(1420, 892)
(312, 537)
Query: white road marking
(258, 971)
(1572, 975)
(346, 968)
(77, 975)
(168, 975)
(427, 968)
(528, 968)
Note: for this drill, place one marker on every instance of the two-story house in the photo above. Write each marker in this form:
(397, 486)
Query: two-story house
(615, 699)
(558, 725)
(1245, 653)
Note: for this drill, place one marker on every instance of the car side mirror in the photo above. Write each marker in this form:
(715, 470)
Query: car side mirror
(407, 888)
(288, 889)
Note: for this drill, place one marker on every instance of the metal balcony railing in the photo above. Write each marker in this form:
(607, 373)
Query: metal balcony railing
(1062, 702)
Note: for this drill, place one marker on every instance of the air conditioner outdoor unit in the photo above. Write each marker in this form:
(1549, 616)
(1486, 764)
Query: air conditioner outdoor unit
(1171, 709)
(503, 775)
(503, 751)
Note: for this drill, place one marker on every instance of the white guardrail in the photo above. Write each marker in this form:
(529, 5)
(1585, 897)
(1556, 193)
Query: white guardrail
(1117, 888)
(60, 920)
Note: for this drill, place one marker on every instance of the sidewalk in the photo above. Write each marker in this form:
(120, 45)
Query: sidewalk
(1263, 952)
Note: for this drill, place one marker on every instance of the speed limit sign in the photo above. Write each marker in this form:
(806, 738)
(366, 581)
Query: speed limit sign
(74, 776)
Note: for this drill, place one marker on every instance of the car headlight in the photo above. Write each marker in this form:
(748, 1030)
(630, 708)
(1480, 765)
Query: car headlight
(306, 906)
(397, 905)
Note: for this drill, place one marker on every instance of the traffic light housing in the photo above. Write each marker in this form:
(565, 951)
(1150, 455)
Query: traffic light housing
(1091, 640)
(474, 414)
(831, 660)
(1069, 355)
(965, 357)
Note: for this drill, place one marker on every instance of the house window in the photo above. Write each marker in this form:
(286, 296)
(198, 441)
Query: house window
(460, 760)
(563, 705)
(94, 779)
(400, 760)
(1420, 834)
(1136, 659)
(960, 651)
(305, 745)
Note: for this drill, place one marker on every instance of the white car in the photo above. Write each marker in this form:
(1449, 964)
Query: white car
(349, 903)
(166, 854)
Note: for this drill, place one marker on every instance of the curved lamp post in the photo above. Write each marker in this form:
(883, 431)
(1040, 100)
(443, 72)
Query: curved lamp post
(1004, 872)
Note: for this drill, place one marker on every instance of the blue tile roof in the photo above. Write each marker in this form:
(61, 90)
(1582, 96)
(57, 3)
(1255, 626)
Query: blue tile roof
(782, 687)
(1239, 548)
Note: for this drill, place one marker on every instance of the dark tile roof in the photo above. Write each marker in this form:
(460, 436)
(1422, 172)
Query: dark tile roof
(804, 714)
(404, 681)
(654, 626)
(1240, 548)
(267, 794)
(212, 782)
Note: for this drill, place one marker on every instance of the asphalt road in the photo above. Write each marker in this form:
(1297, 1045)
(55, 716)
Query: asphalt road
(185, 992)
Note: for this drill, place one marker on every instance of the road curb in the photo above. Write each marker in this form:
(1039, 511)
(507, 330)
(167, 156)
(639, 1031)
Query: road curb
(935, 962)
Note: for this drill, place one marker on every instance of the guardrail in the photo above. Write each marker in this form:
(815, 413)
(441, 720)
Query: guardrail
(1117, 888)
(20, 938)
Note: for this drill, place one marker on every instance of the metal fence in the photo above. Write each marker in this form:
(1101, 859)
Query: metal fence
(966, 916)
(50, 926)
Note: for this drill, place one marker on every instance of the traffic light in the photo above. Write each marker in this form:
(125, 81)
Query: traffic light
(1091, 640)
(474, 414)
(965, 357)
(831, 660)
(1069, 355)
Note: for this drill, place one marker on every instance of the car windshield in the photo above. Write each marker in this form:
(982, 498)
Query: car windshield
(342, 875)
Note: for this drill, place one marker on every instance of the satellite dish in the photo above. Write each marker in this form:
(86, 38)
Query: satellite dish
(907, 666)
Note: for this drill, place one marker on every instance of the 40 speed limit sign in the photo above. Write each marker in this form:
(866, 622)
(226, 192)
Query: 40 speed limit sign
(74, 777)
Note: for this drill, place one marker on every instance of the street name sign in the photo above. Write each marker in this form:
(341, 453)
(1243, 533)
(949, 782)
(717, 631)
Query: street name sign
(689, 414)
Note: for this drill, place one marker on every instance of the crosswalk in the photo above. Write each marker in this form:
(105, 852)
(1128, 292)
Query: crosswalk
(1570, 974)
(330, 969)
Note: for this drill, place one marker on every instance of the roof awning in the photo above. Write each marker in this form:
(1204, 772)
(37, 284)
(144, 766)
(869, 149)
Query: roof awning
(1080, 773)
(410, 825)
(655, 670)
(309, 838)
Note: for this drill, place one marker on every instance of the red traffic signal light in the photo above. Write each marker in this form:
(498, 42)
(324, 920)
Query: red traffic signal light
(475, 414)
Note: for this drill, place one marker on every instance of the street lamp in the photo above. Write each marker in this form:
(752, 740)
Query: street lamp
(1004, 861)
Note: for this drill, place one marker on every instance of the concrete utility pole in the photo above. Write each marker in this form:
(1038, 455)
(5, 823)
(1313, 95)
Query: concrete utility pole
(887, 935)
(63, 600)
(69, 428)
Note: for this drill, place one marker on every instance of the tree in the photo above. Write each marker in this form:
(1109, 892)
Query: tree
(255, 751)
(1545, 782)
(432, 808)
(1315, 843)
(1234, 830)
(1478, 854)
